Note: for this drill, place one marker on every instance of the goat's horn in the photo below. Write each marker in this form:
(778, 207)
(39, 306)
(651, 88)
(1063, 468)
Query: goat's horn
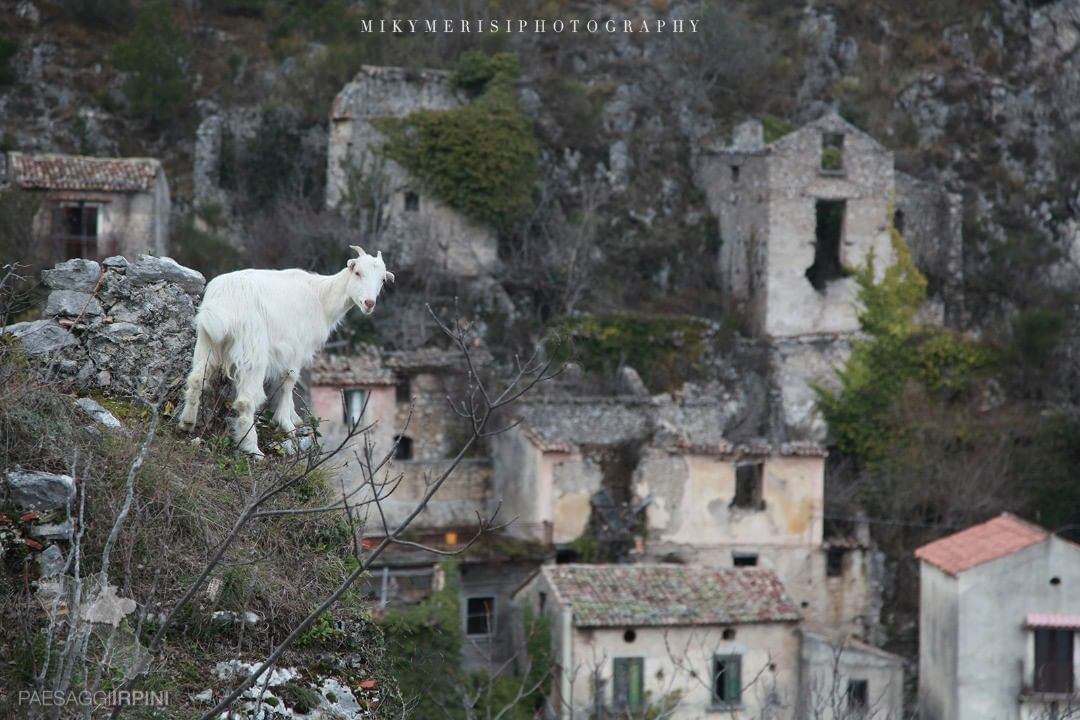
(359, 250)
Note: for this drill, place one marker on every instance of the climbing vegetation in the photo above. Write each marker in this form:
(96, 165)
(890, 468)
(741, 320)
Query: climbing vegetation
(479, 158)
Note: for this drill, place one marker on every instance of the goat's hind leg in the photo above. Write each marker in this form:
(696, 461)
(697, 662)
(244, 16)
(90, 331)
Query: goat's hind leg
(285, 416)
(249, 397)
(203, 365)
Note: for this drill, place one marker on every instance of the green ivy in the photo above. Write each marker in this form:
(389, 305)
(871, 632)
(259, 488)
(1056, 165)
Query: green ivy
(663, 349)
(479, 158)
(897, 351)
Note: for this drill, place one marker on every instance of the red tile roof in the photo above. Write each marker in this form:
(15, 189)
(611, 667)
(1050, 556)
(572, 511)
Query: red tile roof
(665, 594)
(78, 172)
(982, 543)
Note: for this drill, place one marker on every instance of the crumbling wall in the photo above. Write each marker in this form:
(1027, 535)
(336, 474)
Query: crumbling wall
(119, 326)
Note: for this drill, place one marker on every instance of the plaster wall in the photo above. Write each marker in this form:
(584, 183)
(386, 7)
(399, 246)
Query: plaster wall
(995, 652)
(828, 668)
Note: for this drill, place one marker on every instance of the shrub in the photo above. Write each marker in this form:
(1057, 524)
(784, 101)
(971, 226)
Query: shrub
(773, 128)
(8, 47)
(154, 55)
(110, 14)
(475, 70)
(479, 158)
(897, 353)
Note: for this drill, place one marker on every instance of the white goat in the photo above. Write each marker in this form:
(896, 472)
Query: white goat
(264, 326)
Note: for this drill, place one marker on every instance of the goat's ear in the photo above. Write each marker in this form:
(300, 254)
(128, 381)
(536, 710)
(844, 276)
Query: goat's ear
(351, 263)
(390, 277)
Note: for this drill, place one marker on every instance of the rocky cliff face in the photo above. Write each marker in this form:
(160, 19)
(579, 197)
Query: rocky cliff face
(982, 97)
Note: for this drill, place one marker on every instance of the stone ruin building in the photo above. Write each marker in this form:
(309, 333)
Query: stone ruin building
(92, 207)
(413, 226)
(796, 217)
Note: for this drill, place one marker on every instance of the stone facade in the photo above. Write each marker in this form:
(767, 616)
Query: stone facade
(774, 202)
(93, 207)
(415, 228)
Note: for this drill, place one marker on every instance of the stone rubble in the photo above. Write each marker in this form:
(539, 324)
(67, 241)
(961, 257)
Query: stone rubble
(120, 326)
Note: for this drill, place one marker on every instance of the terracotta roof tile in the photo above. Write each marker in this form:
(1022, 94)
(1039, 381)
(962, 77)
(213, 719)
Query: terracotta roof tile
(620, 595)
(362, 368)
(78, 172)
(981, 543)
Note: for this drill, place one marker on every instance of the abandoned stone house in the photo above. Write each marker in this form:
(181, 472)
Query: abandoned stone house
(684, 641)
(415, 227)
(658, 475)
(92, 207)
(796, 216)
(999, 623)
(847, 679)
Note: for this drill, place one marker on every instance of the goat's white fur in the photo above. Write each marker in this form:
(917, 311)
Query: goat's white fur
(264, 326)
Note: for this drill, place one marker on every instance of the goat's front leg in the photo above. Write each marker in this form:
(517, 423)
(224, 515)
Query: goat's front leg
(249, 397)
(285, 416)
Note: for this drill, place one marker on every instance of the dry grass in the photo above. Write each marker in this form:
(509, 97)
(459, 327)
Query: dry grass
(187, 498)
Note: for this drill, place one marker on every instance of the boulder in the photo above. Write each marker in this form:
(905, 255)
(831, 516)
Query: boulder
(72, 303)
(51, 561)
(54, 531)
(94, 409)
(75, 274)
(40, 336)
(151, 269)
(30, 490)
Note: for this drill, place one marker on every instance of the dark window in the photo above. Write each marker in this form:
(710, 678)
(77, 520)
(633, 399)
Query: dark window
(827, 238)
(479, 616)
(543, 600)
(404, 447)
(858, 697)
(1053, 660)
(744, 559)
(898, 221)
(354, 406)
(629, 636)
(727, 680)
(403, 391)
(627, 683)
(412, 201)
(735, 174)
(832, 152)
(79, 230)
(729, 633)
(834, 561)
(749, 479)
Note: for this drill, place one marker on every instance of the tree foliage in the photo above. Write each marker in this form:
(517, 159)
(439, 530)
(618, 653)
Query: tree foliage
(154, 56)
(479, 158)
(425, 644)
(896, 352)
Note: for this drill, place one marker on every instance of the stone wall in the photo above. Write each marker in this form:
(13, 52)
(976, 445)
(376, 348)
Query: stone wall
(119, 326)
